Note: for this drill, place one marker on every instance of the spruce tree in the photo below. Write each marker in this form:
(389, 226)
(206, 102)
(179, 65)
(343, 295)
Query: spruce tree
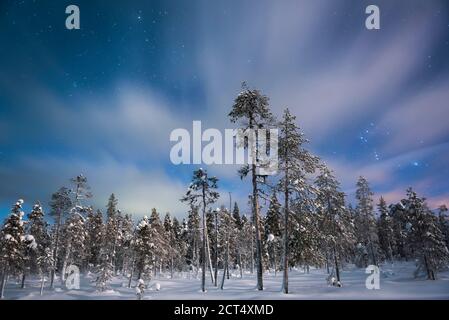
(365, 222)
(38, 228)
(112, 229)
(443, 220)
(12, 246)
(336, 222)
(95, 237)
(144, 248)
(425, 236)
(226, 240)
(386, 231)
(192, 233)
(160, 242)
(45, 264)
(236, 216)
(295, 162)
(104, 271)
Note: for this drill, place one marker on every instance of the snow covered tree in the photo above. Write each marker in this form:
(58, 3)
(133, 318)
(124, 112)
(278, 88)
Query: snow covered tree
(273, 230)
(251, 108)
(74, 227)
(81, 189)
(11, 244)
(104, 271)
(60, 204)
(336, 224)
(38, 228)
(171, 236)
(95, 237)
(305, 236)
(226, 239)
(150, 245)
(399, 216)
(444, 223)
(185, 246)
(202, 192)
(295, 162)
(112, 228)
(193, 237)
(74, 240)
(180, 242)
(236, 216)
(425, 236)
(45, 264)
(144, 248)
(273, 223)
(386, 232)
(161, 244)
(365, 222)
(125, 252)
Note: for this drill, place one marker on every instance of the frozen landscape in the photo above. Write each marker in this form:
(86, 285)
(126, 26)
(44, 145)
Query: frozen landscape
(149, 147)
(396, 283)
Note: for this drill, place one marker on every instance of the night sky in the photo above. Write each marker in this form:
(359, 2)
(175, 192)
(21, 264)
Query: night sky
(103, 100)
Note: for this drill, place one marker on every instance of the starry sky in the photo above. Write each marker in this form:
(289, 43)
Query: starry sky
(103, 100)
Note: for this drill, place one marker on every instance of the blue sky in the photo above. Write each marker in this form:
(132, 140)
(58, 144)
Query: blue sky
(103, 100)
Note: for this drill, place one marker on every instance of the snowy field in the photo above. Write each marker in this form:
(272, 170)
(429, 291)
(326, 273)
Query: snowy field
(396, 282)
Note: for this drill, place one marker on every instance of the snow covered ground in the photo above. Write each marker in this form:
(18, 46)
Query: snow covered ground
(396, 282)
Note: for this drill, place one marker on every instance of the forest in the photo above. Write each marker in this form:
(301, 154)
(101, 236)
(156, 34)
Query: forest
(299, 218)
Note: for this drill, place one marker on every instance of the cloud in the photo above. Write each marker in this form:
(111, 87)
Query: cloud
(418, 119)
(129, 121)
(384, 177)
(324, 65)
(137, 190)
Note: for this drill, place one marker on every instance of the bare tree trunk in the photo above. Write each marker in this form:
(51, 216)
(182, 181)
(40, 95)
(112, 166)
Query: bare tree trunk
(252, 251)
(430, 275)
(257, 229)
(285, 249)
(225, 265)
(227, 258)
(274, 257)
(64, 264)
(42, 284)
(216, 248)
(22, 286)
(209, 259)
(132, 274)
(373, 255)
(240, 265)
(203, 262)
(55, 251)
(337, 269)
(4, 280)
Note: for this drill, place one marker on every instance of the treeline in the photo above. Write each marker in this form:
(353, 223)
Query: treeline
(307, 222)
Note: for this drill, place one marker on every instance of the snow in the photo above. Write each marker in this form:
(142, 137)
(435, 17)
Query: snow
(396, 282)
